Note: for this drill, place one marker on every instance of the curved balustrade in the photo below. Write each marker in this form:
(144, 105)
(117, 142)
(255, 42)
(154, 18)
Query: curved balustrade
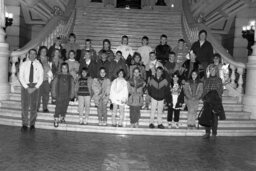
(191, 30)
(57, 26)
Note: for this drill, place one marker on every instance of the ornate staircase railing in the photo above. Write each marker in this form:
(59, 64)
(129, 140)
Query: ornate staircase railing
(57, 26)
(191, 29)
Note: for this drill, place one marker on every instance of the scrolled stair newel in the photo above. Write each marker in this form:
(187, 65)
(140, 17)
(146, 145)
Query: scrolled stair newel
(4, 57)
(250, 91)
(13, 78)
(240, 82)
(233, 76)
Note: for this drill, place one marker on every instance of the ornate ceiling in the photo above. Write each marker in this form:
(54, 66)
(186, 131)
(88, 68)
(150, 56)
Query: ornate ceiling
(40, 11)
(218, 14)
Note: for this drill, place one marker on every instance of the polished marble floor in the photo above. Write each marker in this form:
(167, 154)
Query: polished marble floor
(59, 150)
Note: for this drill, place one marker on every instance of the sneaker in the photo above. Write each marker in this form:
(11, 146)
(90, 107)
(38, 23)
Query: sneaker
(100, 123)
(114, 125)
(81, 121)
(56, 122)
(176, 125)
(111, 106)
(206, 136)
(32, 128)
(104, 123)
(151, 126)
(24, 128)
(145, 107)
(136, 125)
(160, 126)
(62, 120)
(45, 111)
(120, 125)
(169, 125)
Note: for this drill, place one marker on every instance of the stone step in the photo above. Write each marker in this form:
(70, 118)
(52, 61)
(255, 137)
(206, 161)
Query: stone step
(73, 105)
(98, 23)
(42, 124)
(231, 116)
(225, 99)
(135, 32)
(123, 20)
(105, 11)
(93, 119)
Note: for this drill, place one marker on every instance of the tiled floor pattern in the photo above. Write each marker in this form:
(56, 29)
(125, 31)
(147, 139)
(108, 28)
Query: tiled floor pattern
(75, 151)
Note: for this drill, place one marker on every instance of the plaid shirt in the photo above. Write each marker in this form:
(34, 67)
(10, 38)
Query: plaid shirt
(213, 83)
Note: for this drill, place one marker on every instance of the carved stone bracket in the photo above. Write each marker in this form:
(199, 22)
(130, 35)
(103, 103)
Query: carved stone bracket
(57, 11)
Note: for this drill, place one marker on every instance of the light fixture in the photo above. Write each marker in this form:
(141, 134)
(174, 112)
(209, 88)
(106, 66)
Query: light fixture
(248, 33)
(8, 20)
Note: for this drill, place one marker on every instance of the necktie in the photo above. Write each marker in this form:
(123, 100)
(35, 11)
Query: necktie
(31, 73)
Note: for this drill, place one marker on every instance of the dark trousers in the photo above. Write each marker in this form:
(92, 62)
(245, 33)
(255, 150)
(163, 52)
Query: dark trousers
(134, 114)
(44, 91)
(61, 107)
(172, 111)
(29, 102)
(214, 123)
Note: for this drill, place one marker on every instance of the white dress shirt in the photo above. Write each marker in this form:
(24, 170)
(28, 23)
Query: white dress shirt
(38, 75)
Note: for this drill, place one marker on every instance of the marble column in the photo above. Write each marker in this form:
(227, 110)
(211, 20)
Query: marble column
(250, 91)
(4, 55)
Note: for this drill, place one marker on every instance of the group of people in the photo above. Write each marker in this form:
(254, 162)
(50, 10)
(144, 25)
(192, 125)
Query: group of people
(163, 76)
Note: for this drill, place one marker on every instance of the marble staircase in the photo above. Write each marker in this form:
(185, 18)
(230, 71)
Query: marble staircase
(238, 123)
(97, 23)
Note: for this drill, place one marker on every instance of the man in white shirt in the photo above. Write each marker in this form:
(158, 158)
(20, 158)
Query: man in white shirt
(144, 50)
(31, 77)
(125, 48)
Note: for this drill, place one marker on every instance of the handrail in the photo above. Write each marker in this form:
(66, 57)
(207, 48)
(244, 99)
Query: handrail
(216, 45)
(52, 24)
(47, 30)
(57, 26)
(219, 49)
(234, 82)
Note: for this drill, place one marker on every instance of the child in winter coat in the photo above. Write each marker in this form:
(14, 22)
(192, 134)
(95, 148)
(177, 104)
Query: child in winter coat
(101, 90)
(175, 101)
(193, 91)
(157, 91)
(62, 91)
(119, 96)
(135, 101)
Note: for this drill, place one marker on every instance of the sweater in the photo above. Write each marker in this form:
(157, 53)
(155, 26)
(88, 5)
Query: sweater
(110, 53)
(213, 83)
(204, 53)
(181, 54)
(126, 50)
(144, 52)
(162, 52)
(73, 66)
(115, 66)
(83, 89)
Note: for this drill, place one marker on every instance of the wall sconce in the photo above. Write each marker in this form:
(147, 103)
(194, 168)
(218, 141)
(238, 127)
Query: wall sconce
(8, 20)
(248, 33)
